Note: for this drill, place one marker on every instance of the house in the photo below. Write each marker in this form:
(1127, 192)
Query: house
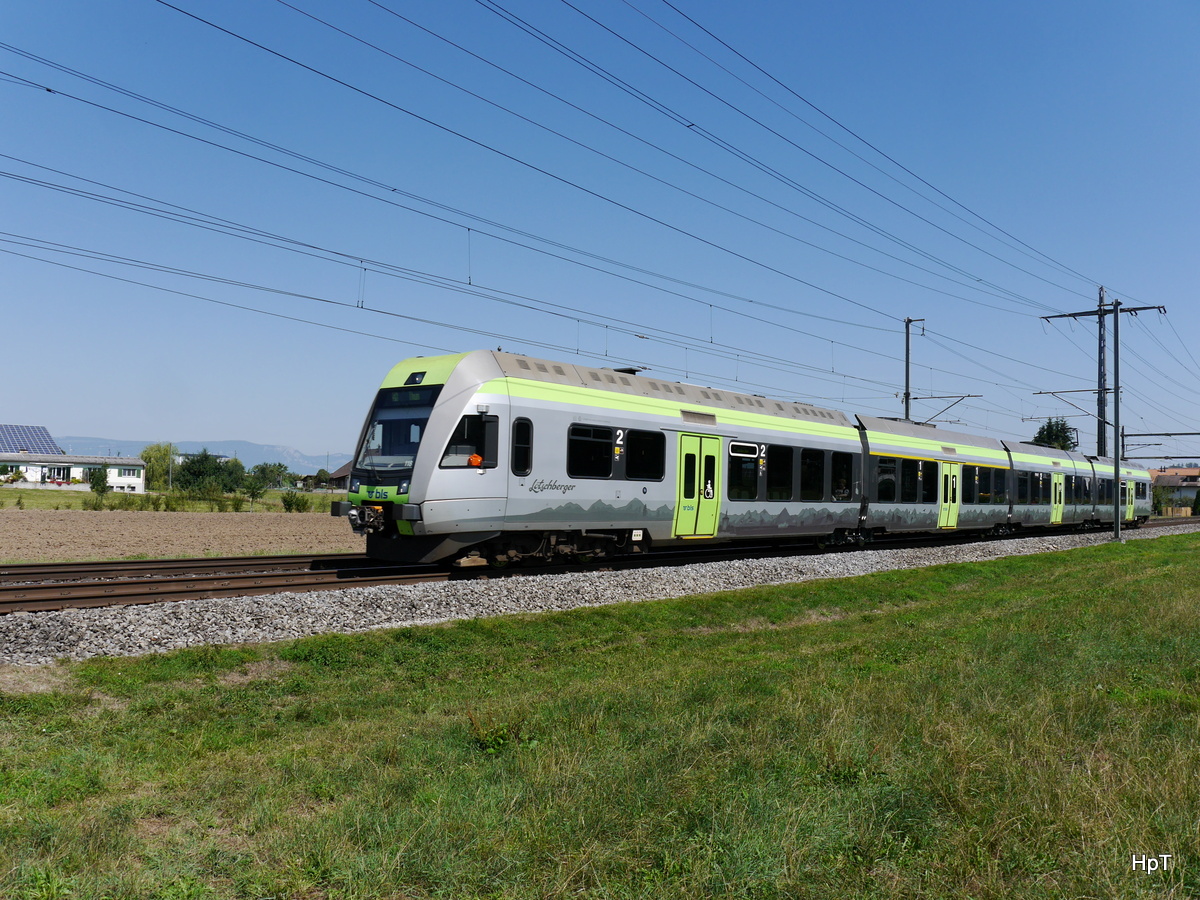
(63, 472)
(30, 458)
(340, 480)
(1183, 483)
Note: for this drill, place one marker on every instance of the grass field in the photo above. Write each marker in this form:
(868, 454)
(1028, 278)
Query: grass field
(37, 498)
(1015, 729)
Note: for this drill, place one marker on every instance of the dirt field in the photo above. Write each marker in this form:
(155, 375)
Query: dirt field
(31, 535)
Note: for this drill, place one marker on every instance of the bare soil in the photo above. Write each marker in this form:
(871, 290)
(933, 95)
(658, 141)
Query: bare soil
(52, 535)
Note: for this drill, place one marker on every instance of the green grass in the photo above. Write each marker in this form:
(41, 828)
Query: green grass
(1018, 728)
(35, 498)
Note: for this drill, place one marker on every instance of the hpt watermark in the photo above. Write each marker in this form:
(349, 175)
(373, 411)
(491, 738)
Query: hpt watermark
(1143, 862)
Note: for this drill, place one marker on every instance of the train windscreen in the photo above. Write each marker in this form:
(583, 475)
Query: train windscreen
(395, 427)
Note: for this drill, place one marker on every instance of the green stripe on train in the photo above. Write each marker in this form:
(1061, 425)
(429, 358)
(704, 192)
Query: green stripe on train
(614, 402)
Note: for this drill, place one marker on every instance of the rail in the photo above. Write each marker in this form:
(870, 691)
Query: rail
(39, 587)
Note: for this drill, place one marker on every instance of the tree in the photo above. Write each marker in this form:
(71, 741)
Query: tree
(205, 473)
(272, 474)
(158, 459)
(1056, 433)
(323, 477)
(98, 479)
(233, 473)
(253, 487)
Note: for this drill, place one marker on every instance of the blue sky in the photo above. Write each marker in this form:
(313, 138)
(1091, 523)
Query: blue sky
(232, 228)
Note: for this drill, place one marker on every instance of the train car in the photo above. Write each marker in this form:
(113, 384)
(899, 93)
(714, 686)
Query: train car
(488, 458)
(925, 479)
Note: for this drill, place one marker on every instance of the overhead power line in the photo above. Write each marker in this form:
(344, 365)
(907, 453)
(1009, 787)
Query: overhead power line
(1029, 250)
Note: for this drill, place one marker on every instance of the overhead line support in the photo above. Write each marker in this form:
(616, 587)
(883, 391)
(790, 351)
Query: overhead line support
(1114, 309)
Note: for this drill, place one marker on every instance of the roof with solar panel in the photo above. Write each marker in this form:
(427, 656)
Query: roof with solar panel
(28, 439)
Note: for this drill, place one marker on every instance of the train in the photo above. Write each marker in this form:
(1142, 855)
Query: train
(488, 458)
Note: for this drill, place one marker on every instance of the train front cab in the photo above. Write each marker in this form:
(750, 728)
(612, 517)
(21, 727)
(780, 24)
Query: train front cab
(420, 429)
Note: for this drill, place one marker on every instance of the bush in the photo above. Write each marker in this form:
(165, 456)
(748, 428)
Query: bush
(237, 501)
(296, 502)
(124, 501)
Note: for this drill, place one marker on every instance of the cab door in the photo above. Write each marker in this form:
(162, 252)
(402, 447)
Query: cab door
(698, 503)
(1057, 497)
(948, 514)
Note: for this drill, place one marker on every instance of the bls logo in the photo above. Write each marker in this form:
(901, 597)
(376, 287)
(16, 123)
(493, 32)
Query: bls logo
(377, 493)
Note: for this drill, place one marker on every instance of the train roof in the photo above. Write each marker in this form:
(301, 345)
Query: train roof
(620, 382)
(902, 428)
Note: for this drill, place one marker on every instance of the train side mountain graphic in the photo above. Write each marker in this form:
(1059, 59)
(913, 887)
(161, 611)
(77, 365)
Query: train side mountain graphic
(249, 453)
(570, 511)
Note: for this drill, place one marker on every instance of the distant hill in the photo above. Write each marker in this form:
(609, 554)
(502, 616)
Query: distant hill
(250, 454)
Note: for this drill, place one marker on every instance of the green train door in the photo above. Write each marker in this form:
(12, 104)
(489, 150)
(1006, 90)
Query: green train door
(948, 514)
(699, 490)
(1127, 495)
(1056, 497)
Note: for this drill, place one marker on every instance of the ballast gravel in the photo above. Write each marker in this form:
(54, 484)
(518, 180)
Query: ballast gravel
(33, 639)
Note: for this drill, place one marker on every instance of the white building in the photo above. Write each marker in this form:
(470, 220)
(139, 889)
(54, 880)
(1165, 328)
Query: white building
(65, 472)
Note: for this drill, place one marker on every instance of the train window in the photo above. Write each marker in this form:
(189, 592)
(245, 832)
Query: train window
(885, 485)
(812, 475)
(522, 447)
(1140, 491)
(473, 444)
(589, 451)
(743, 476)
(842, 471)
(1000, 486)
(645, 455)
(929, 481)
(1040, 489)
(1023, 487)
(968, 480)
(910, 480)
(780, 476)
(984, 494)
(689, 476)
(395, 427)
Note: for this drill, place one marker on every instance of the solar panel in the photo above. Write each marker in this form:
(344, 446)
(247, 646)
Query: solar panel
(31, 438)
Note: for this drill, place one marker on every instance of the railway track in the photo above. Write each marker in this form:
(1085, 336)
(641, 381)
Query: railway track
(31, 587)
(36, 586)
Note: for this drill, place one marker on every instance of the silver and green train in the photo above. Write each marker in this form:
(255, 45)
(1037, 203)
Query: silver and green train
(487, 458)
